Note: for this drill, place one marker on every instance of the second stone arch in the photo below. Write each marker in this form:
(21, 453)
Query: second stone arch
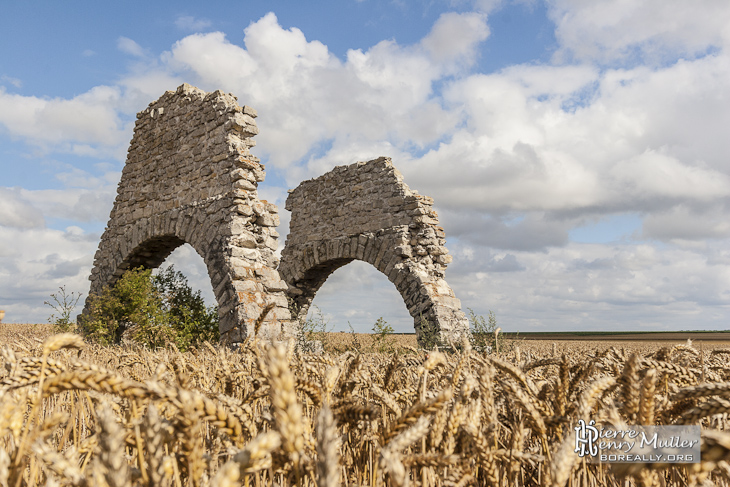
(366, 212)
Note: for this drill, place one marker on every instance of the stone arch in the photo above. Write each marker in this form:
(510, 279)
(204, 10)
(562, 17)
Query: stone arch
(365, 211)
(190, 178)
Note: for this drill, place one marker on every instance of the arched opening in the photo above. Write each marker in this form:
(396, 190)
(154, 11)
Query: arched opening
(186, 260)
(359, 294)
(149, 254)
(160, 252)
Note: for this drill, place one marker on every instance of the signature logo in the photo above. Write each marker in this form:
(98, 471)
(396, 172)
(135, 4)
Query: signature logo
(586, 436)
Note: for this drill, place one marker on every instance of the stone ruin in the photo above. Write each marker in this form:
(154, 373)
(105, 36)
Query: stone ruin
(366, 212)
(190, 178)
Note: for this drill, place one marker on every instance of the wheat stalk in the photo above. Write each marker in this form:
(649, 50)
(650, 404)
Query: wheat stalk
(411, 416)
(111, 464)
(287, 411)
(328, 464)
(390, 457)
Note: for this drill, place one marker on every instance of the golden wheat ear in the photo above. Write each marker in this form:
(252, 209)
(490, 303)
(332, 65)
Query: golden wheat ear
(287, 411)
(564, 460)
(391, 457)
(256, 455)
(64, 340)
(111, 463)
(328, 446)
(64, 468)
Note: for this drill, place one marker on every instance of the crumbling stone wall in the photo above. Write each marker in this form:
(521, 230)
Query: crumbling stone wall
(365, 211)
(191, 178)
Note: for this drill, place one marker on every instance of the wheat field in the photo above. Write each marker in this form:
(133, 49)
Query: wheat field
(73, 413)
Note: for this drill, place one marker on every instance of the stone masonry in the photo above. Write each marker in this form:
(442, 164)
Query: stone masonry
(190, 178)
(365, 211)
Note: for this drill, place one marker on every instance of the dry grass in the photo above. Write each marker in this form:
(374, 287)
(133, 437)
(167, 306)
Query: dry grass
(23, 332)
(339, 342)
(266, 415)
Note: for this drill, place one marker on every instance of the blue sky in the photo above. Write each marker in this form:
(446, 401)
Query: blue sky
(576, 151)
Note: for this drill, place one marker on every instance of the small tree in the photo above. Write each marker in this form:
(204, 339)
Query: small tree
(153, 310)
(63, 304)
(132, 305)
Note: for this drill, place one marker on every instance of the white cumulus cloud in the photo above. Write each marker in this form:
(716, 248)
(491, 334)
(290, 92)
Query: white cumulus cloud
(651, 30)
(629, 117)
(91, 117)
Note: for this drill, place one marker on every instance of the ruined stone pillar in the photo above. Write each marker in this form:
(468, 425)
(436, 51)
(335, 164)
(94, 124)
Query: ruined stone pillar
(365, 211)
(190, 178)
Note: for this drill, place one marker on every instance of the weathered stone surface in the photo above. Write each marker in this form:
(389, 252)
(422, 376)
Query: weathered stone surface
(365, 211)
(190, 178)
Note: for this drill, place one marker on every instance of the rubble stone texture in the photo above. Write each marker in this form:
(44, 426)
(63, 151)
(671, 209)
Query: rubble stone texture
(190, 178)
(365, 211)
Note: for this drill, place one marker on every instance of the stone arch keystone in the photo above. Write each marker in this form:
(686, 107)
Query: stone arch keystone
(365, 211)
(190, 178)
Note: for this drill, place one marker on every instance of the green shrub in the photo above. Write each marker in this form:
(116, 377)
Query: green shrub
(312, 332)
(484, 335)
(429, 335)
(482, 331)
(132, 307)
(383, 336)
(152, 310)
(192, 321)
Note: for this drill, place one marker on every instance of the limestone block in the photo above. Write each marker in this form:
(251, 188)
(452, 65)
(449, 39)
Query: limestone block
(244, 184)
(268, 220)
(271, 242)
(244, 210)
(278, 300)
(405, 251)
(249, 254)
(245, 239)
(270, 279)
(240, 173)
(258, 173)
(258, 208)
